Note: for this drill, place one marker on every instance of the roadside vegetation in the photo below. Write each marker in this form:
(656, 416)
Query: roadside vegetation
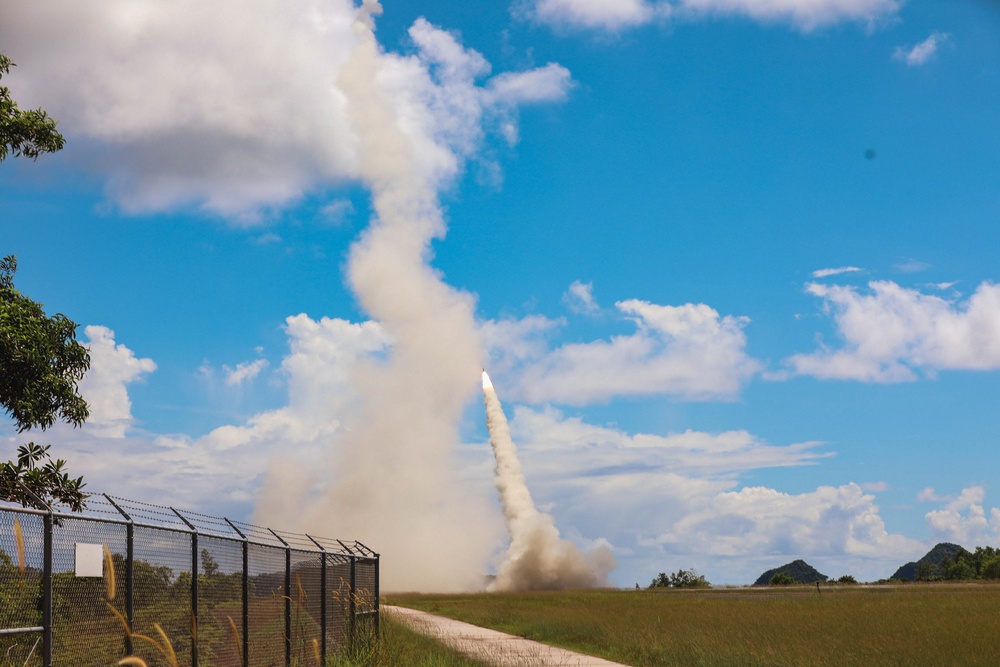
(914, 624)
(401, 646)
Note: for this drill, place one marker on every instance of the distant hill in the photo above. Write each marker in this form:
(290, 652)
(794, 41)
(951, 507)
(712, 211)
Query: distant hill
(934, 557)
(799, 570)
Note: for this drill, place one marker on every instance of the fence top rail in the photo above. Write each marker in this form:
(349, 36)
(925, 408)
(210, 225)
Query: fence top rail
(114, 509)
(13, 507)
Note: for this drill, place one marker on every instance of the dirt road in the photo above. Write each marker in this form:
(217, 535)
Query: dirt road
(491, 646)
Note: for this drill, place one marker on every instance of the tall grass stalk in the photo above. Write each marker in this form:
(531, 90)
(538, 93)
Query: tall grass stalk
(19, 538)
(109, 574)
(236, 636)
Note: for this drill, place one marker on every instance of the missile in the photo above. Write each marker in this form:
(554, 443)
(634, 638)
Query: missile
(486, 380)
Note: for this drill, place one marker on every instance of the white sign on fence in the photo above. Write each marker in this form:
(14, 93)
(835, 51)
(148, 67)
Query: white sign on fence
(89, 560)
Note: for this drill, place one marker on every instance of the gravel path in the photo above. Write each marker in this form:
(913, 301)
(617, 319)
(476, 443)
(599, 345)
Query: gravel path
(497, 648)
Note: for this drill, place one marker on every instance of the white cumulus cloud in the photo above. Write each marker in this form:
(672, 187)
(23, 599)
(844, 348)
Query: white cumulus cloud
(617, 15)
(689, 351)
(804, 14)
(965, 520)
(193, 105)
(927, 494)
(225, 467)
(610, 15)
(562, 445)
(825, 273)
(544, 84)
(580, 298)
(244, 371)
(510, 343)
(104, 387)
(829, 521)
(922, 52)
(182, 104)
(891, 332)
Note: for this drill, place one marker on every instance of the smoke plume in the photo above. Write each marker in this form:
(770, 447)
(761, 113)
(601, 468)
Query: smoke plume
(537, 558)
(394, 482)
(393, 479)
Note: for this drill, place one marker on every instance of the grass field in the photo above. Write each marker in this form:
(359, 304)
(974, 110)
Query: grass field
(914, 624)
(401, 647)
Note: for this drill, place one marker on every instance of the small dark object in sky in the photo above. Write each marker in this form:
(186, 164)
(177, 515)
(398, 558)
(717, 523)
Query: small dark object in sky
(869, 153)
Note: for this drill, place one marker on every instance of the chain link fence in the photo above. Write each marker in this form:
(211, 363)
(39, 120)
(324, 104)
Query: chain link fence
(116, 580)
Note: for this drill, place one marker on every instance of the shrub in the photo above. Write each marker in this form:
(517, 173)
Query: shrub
(680, 579)
(959, 570)
(781, 579)
(927, 571)
(991, 568)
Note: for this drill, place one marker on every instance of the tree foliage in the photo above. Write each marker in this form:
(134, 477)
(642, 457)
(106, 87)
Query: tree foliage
(983, 563)
(35, 473)
(781, 579)
(24, 133)
(926, 571)
(680, 579)
(959, 564)
(40, 365)
(40, 360)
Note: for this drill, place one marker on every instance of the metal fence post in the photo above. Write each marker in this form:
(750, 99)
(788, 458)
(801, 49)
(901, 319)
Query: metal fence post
(194, 587)
(129, 573)
(47, 589)
(351, 591)
(322, 598)
(246, 593)
(288, 599)
(353, 596)
(377, 601)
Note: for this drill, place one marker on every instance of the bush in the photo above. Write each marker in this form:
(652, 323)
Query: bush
(991, 568)
(927, 571)
(680, 579)
(847, 579)
(781, 579)
(959, 570)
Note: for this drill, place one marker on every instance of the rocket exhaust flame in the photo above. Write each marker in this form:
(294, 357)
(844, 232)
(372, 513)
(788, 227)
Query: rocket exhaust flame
(537, 558)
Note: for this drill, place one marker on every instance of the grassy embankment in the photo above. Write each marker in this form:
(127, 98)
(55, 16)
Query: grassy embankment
(843, 625)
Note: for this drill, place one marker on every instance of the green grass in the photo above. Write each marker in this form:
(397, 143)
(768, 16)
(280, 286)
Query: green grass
(843, 625)
(400, 647)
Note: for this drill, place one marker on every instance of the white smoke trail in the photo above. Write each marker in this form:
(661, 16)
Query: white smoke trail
(394, 481)
(538, 558)
(395, 484)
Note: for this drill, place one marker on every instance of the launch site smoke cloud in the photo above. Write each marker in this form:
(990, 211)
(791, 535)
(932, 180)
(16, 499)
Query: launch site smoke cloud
(393, 480)
(538, 557)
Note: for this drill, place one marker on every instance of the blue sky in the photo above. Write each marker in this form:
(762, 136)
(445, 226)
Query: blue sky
(730, 264)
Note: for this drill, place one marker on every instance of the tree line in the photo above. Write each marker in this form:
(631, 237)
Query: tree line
(982, 563)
